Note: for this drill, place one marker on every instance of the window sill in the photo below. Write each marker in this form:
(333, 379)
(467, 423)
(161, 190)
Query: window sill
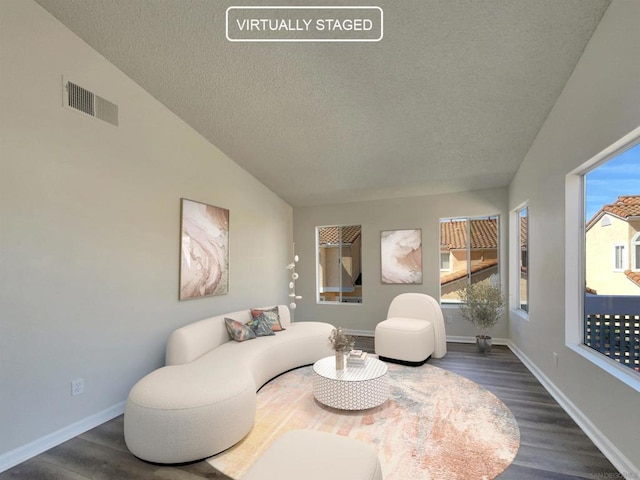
(622, 373)
(520, 314)
(320, 302)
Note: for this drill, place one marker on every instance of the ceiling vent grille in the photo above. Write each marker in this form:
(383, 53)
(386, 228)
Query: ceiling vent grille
(82, 100)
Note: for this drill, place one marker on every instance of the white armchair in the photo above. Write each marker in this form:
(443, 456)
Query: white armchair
(413, 331)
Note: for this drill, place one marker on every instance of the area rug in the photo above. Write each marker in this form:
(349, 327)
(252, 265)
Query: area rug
(436, 425)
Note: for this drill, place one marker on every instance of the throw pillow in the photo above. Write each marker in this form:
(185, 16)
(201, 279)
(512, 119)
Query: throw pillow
(238, 331)
(271, 315)
(260, 326)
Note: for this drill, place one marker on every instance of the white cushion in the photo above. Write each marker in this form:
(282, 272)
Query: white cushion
(406, 339)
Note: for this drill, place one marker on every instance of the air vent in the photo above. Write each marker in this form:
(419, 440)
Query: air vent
(82, 100)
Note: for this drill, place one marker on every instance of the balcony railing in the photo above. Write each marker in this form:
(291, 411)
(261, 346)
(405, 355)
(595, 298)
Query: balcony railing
(612, 327)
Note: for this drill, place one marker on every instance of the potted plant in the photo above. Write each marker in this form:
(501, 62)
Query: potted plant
(342, 344)
(483, 305)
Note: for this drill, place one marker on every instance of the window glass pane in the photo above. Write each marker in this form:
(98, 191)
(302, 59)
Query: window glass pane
(453, 242)
(523, 285)
(472, 244)
(612, 291)
(484, 250)
(339, 264)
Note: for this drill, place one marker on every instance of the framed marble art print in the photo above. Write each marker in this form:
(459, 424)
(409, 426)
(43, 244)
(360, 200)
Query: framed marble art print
(401, 256)
(204, 250)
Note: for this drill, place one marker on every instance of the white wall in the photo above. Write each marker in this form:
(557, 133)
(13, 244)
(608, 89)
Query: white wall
(599, 105)
(90, 219)
(374, 217)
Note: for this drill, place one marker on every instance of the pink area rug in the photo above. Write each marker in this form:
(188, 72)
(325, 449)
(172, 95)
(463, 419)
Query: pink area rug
(436, 425)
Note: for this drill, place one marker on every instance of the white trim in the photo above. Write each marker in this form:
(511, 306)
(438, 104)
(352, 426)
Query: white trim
(468, 249)
(623, 464)
(515, 259)
(465, 339)
(623, 258)
(450, 338)
(635, 261)
(575, 257)
(621, 372)
(361, 333)
(42, 444)
(521, 314)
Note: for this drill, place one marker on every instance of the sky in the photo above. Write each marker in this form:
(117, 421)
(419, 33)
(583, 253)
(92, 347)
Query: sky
(619, 176)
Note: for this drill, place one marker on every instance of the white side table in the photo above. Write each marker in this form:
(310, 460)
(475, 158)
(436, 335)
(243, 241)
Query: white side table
(354, 388)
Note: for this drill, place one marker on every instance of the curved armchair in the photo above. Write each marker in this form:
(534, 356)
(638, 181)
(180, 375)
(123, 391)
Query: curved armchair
(413, 331)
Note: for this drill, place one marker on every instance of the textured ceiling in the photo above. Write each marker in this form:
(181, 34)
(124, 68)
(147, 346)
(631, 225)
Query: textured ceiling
(450, 100)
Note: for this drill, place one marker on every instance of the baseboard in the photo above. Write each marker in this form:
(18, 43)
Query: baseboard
(362, 333)
(464, 339)
(450, 338)
(30, 450)
(608, 449)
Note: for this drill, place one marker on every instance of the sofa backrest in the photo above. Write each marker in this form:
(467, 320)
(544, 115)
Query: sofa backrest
(194, 340)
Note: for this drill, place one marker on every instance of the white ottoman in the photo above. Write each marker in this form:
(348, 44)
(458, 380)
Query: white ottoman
(405, 339)
(313, 455)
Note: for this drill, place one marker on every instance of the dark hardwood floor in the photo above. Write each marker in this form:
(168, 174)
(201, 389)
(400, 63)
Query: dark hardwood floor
(552, 446)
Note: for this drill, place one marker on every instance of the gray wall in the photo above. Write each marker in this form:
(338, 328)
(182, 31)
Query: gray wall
(90, 231)
(375, 216)
(599, 105)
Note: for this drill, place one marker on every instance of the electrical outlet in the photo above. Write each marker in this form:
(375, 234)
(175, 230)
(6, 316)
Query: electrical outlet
(77, 387)
(555, 359)
(447, 318)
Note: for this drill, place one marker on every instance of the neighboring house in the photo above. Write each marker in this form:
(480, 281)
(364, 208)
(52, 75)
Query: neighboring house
(454, 264)
(613, 248)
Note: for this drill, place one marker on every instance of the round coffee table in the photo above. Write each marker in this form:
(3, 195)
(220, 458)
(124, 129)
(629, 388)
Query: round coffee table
(354, 388)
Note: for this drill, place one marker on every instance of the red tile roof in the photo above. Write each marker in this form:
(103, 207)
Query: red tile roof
(475, 268)
(484, 234)
(625, 207)
(329, 235)
(633, 276)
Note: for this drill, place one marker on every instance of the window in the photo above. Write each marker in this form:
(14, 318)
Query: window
(520, 258)
(445, 261)
(603, 303)
(635, 248)
(339, 274)
(619, 258)
(471, 245)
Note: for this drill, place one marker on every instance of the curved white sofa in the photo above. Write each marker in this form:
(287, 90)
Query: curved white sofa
(204, 400)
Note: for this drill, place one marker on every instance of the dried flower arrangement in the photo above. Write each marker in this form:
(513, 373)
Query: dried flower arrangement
(340, 341)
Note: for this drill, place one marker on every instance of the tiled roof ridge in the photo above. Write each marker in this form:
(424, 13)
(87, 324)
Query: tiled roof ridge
(624, 207)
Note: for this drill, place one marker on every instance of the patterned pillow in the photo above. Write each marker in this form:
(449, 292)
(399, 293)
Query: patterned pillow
(271, 315)
(238, 331)
(260, 326)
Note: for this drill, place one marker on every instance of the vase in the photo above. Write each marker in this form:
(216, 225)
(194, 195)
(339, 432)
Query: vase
(340, 360)
(484, 343)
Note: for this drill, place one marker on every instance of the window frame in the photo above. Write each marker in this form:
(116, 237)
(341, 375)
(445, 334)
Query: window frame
(515, 260)
(575, 261)
(318, 294)
(623, 257)
(635, 258)
(468, 219)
